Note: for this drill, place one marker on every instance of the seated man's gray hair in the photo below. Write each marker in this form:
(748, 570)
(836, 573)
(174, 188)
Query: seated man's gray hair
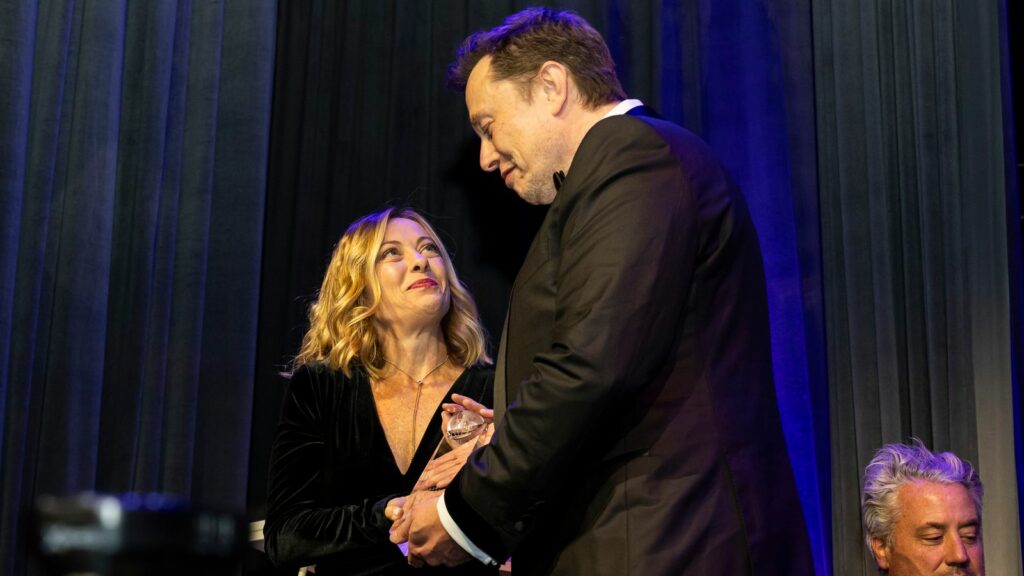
(897, 464)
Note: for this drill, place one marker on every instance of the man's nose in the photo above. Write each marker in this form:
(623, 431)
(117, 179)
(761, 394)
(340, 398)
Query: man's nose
(488, 156)
(956, 551)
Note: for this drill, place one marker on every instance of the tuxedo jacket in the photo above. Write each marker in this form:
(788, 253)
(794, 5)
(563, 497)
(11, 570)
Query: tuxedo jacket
(641, 435)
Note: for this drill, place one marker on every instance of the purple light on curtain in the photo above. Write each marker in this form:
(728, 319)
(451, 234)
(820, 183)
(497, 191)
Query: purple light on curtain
(740, 75)
(759, 116)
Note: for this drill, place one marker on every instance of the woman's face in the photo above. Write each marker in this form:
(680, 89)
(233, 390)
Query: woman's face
(412, 276)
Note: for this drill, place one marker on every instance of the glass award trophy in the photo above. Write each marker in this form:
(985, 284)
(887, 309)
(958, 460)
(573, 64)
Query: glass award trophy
(460, 428)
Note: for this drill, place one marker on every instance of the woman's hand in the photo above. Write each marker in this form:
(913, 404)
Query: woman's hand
(394, 509)
(397, 512)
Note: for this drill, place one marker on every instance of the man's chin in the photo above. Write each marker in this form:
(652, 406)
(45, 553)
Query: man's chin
(537, 195)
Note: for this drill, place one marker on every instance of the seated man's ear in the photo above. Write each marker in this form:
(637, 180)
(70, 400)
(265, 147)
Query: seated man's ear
(881, 552)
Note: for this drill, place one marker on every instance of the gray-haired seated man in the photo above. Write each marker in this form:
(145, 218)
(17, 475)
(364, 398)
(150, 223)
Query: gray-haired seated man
(922, 512)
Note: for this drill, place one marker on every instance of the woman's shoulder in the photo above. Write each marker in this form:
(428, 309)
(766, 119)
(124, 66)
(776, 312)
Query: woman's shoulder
(480, 372)
(318, 375)
(476, 382)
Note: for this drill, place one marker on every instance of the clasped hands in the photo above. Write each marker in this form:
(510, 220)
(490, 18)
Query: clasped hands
(414, 517)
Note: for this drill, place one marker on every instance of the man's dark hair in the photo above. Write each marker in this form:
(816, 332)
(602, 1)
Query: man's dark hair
(527, 39)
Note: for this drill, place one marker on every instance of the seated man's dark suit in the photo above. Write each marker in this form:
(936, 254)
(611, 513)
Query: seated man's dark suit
(642, 435)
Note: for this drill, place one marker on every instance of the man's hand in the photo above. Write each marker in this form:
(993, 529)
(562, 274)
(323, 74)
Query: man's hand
(466, 403)
(440, 471)
(460, 403)
(429, 542)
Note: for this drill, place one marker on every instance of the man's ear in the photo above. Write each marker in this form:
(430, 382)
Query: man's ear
(553, 85)
(881, 552)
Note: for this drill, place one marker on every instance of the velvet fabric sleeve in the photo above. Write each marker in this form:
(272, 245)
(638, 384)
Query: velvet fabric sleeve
(304, 521)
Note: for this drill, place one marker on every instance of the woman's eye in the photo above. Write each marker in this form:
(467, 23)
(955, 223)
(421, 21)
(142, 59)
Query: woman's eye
(430, 248)
(388, 252)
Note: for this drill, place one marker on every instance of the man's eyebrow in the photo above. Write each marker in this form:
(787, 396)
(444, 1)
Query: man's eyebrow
(942, 526)
(930, 528)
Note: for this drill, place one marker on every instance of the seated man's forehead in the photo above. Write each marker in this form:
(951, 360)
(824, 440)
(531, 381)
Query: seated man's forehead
(936, 503)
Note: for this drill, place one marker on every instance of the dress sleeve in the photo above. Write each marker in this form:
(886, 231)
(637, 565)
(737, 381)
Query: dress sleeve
(300, 527)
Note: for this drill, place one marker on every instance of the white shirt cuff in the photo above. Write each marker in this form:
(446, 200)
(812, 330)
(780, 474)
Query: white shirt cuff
(459, 536)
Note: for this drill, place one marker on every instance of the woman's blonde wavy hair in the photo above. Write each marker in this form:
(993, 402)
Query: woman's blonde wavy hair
(341, 327)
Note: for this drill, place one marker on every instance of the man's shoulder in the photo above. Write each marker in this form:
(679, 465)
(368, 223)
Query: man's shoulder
(639, 129)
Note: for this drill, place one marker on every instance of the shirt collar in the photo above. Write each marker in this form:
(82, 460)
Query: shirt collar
(623, 107)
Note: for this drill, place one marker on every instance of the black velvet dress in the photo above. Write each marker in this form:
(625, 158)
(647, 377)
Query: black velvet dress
(332, 473)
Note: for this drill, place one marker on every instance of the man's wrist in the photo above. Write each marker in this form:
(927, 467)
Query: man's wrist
(459, 536)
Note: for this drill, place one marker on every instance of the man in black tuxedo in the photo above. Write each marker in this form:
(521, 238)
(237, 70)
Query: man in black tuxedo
(641, 434)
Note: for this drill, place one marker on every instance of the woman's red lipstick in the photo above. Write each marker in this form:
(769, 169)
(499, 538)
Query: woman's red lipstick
(424, 283)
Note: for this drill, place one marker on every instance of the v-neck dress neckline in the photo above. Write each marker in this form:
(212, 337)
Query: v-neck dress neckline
(332, 471)
(418, 457)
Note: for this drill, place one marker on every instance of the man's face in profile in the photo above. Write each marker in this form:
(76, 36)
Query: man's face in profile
(517, 139)
(937, 533)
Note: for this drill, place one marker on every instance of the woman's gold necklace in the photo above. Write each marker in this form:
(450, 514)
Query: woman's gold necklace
(419, 391)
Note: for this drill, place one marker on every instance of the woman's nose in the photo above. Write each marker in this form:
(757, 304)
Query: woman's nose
(419, 261)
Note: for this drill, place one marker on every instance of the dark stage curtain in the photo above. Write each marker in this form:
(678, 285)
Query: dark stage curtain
(362, 120)
(913, 188)
(161, 237)
(1012, 62)
(133, 145)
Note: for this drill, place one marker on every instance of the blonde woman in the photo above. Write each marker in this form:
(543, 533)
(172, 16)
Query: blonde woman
(392, 334)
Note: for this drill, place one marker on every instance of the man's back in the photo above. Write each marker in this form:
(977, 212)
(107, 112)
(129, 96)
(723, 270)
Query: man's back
(640, 316)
